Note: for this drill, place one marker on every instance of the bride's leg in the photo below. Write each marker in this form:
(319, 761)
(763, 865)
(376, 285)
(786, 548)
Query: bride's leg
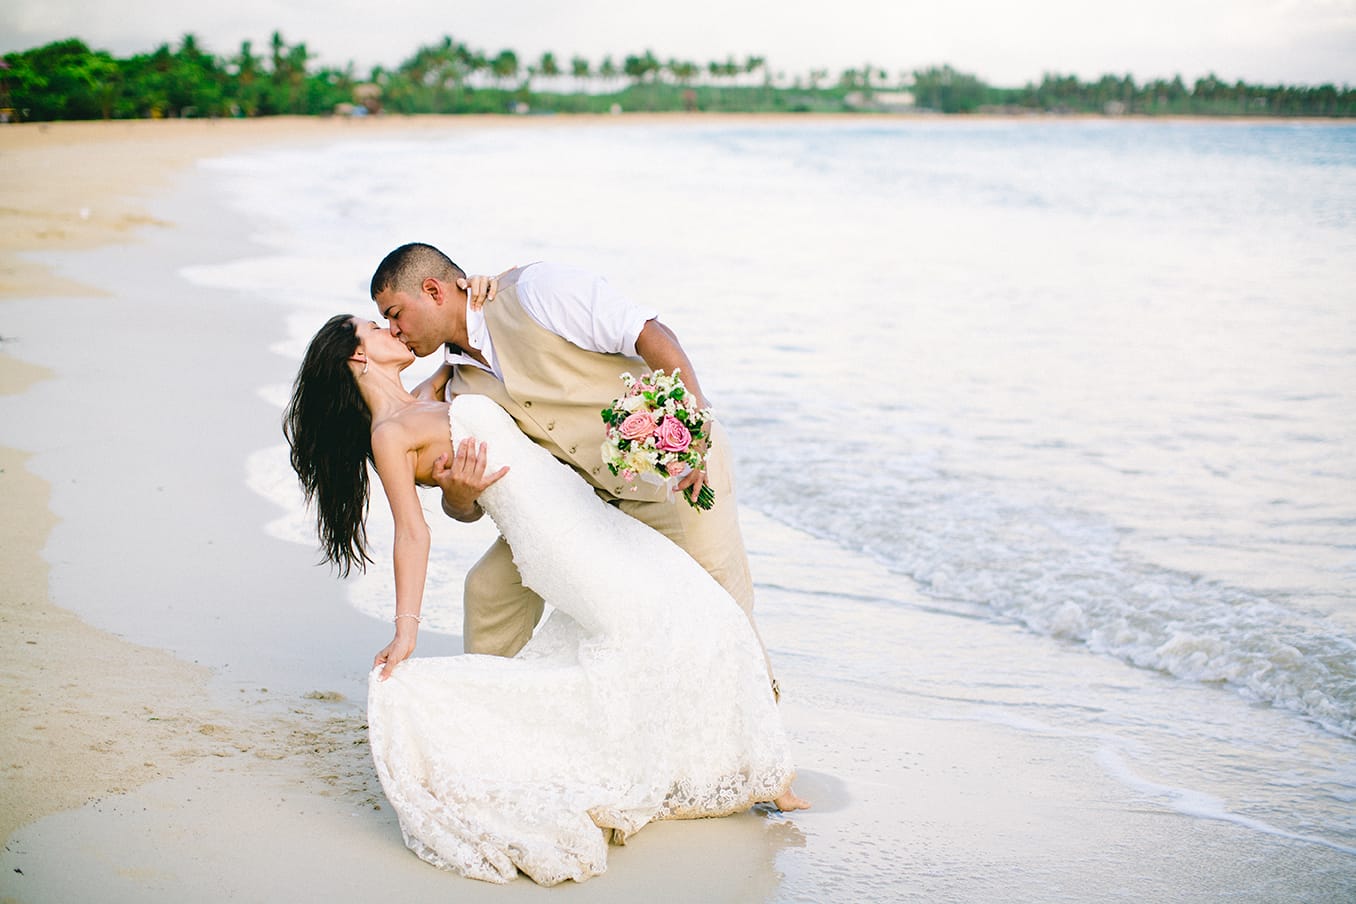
(500, 612)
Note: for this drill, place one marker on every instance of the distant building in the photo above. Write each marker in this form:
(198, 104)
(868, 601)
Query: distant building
(881, 101)
(368, 95)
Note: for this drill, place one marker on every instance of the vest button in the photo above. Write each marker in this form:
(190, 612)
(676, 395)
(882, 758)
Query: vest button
(550, 425)
(616, 491)
(595, 470)
(527, 404)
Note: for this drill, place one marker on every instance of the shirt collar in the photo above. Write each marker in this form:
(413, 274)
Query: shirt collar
(478, 338)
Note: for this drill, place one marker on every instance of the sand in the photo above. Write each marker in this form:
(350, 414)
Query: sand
(204, 760)
(182, 695)
(83, 710)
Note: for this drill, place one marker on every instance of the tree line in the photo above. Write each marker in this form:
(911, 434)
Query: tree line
(68, 80)
(949, 91)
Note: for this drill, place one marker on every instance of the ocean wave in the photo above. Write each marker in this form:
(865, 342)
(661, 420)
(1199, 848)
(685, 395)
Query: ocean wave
(1062, 573)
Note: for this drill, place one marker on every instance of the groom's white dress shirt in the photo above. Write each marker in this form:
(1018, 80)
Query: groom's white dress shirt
(576, 305)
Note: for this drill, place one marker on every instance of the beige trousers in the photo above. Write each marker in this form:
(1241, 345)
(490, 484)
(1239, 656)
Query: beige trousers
(500, 613)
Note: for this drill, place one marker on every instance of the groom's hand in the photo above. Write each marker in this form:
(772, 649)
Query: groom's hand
(463, 479)
(694, 479)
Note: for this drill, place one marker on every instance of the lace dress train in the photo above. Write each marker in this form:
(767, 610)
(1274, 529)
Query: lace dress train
(642, 696)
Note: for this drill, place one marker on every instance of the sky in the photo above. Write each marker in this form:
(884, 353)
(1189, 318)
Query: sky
(1003, 42)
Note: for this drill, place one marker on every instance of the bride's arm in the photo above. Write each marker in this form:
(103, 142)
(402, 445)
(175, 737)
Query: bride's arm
(395, 458)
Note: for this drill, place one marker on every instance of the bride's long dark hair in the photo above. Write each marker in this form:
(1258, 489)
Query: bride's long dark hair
(329, 428)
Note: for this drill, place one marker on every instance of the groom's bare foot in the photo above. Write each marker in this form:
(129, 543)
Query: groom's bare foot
(789, 801)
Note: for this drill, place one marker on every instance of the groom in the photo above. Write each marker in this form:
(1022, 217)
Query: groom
(550, 349)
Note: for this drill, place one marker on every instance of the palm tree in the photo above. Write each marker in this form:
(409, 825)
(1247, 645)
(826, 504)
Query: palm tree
(430, 80)
(297, 58)
(728, 69)
(504, 66)
(579, 68)
(195, 80)
(608, 70)
(277, 45)
(289, 68)
(753, 63)
(247, 70)
(683, 71)
(476, 62)
(639, 68)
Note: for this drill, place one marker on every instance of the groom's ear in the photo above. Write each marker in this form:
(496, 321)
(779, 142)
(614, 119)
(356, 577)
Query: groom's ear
(433, 289)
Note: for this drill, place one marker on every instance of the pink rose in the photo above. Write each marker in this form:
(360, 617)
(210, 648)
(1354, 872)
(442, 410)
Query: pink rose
(672, 436)
(677, 468)
(637, 426)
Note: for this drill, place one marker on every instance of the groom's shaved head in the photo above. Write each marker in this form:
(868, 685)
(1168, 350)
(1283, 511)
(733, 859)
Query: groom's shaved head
(409, 265)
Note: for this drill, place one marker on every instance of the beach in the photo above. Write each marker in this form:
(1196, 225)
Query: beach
(184, 689)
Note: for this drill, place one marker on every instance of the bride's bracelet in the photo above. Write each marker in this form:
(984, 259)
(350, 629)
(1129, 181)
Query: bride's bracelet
(416, 618)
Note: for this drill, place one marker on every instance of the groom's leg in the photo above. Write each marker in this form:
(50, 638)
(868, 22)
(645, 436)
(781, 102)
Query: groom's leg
(499, 612)
(712, 537)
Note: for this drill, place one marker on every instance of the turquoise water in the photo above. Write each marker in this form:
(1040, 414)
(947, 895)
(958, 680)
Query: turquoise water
(1076, 400)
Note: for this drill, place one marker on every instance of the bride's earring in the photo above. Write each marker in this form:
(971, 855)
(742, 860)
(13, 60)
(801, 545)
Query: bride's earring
(364, 368)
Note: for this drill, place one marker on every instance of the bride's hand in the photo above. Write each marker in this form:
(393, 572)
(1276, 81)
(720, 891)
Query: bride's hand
(479, 289)
(395, 652)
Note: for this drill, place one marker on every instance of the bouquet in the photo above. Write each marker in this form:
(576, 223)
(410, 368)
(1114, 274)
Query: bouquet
(656, 431)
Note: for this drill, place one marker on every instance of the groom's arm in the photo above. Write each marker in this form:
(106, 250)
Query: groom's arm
(661, 350)
(585, 310)
(432, 389)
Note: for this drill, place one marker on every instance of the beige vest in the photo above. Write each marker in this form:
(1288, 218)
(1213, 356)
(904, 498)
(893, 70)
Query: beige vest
(555, 390)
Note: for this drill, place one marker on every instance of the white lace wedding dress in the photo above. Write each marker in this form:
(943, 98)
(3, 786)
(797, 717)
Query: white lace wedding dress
(642, 696)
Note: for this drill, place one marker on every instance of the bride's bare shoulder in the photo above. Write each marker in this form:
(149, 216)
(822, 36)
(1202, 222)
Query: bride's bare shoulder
(412, 428)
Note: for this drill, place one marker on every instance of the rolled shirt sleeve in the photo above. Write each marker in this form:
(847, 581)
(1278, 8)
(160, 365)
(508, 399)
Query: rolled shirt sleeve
(582, 308)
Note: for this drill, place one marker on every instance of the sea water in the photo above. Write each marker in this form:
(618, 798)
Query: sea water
(1078, 397)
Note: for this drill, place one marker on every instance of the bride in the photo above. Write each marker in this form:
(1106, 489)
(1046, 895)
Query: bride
(643, 696)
